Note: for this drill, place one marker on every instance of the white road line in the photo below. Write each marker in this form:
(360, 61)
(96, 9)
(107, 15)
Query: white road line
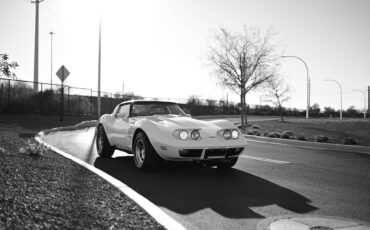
(158, 214)
(264, 159)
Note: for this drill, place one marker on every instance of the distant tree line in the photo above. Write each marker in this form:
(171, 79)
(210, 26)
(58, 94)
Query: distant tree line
(196, 106)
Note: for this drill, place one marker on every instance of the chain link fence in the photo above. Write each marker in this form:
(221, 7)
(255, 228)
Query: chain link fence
(19, 97)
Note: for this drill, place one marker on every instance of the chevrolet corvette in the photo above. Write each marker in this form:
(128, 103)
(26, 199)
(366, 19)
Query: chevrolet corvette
(159, 131)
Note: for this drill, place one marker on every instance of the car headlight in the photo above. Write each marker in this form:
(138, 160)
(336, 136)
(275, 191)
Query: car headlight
(195, 135)
(183, 135)
(227, 134)
(235, 134)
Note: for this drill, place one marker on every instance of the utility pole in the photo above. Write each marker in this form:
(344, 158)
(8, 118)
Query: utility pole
(36, 58)
(51, 59)
(99, 70)
(364, 93)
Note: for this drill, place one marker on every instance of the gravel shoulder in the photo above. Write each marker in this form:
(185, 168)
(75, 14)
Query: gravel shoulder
(48, 191)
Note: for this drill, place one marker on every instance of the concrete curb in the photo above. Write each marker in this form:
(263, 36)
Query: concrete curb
(312, 145)
(160, 216)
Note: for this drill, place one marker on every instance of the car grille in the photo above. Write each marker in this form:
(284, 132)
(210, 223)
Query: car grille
(190, 152)
(222, 152)
(225, 152)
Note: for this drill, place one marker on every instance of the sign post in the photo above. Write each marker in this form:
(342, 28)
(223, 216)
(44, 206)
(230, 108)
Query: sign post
(62, 73)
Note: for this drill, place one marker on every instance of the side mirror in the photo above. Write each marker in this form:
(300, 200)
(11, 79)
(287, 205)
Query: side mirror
(188, 114)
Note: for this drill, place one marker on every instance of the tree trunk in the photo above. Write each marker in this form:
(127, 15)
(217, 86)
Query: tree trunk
(243, 112)
(281, 113)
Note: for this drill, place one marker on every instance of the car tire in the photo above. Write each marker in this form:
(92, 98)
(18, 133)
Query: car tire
(145, 156)
(103, 147)
(227, 163)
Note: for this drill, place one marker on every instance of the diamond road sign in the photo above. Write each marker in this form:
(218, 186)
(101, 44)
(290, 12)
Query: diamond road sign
(62, 73)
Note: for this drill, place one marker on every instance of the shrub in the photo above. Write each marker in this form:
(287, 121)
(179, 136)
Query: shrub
(321, 138)
(33, 148)
(287, 135)
(256, 127)
(349, 141)
(274, 135)
(300, 138)
(254, 132)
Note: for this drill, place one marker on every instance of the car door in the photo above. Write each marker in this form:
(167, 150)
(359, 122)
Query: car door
(120, 127)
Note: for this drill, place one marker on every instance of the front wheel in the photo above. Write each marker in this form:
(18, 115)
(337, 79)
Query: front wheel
(145, 156)
(227, 163)
(102, 144)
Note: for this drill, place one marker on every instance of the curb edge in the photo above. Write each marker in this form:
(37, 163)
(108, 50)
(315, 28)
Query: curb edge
(159, 215)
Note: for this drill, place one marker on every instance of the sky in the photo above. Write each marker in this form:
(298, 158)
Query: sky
(158, 48)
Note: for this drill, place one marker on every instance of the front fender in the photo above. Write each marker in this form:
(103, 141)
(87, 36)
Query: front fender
(155, 132)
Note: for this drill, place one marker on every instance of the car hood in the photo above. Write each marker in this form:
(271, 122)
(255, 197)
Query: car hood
(179, 122)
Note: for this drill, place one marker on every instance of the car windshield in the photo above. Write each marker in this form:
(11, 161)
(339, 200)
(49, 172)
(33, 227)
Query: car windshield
(152, 108)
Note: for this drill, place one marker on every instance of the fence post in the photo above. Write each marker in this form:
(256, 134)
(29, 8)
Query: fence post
(91, 103)
(8, 96)
(68, 101)
(78, 105)
(40, 100)
(1, 97)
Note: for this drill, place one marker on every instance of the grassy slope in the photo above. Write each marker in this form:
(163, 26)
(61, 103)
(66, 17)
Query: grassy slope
(336, 130)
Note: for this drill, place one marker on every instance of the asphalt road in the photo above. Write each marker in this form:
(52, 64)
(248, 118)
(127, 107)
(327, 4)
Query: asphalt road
(268, 180)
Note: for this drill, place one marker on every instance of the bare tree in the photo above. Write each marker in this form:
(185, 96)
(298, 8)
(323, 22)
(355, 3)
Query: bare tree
(6, 66)
(242, 61)
(193, 100)
(211, 102)
(278, 93)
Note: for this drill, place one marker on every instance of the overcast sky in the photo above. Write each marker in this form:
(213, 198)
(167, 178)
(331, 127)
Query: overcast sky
(158, 47)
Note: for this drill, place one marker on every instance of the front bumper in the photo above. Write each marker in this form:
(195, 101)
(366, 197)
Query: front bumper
(200, 151)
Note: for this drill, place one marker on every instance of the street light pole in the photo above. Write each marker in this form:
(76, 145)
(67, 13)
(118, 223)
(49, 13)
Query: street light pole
(364, 92)
(308, 84)
(51, 59)
(340, 87)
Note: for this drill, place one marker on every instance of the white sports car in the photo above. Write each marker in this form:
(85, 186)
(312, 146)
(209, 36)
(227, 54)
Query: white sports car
(156, 131)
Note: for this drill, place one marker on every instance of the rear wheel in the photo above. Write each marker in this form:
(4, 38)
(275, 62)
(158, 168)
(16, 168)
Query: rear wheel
(227, 163)
(145, 156)
(102, 144)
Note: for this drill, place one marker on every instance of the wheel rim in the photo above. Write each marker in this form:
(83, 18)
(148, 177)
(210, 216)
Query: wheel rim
(100, 140)
(140, 153)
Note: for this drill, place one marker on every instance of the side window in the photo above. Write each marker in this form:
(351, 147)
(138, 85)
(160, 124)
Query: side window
(124, 111)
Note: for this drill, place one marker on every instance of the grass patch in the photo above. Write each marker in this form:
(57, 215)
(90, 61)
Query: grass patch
(347, 131)
(37, 123)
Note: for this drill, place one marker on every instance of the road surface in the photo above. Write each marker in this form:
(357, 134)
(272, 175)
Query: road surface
(268, 180)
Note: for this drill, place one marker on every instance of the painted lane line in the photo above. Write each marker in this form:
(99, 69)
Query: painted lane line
(312, 147)
(158, 214)
(264, 159)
